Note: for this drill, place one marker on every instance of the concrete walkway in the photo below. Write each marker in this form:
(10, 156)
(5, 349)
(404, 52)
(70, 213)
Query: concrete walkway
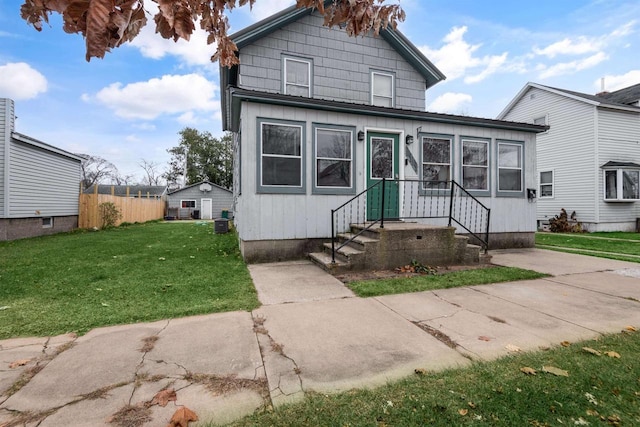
(310, 334)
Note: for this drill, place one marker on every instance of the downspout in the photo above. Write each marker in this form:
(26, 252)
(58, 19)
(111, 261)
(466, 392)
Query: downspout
(596, 162)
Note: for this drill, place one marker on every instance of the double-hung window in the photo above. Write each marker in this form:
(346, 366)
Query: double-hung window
(297, 76)
(546, 184)
(475, 164)
(280, 154)
(333, 159)
(621, 184)
(436, 162)
(510, 168)
(382, 89)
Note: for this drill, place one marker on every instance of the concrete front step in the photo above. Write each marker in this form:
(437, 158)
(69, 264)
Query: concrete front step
(323, 260)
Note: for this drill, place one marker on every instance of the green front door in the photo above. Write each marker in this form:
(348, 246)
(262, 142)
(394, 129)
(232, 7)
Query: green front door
(382, 162)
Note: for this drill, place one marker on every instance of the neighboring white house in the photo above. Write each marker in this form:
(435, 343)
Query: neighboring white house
(39, 183)
(203, 200)
(318, 116)
(589, 159)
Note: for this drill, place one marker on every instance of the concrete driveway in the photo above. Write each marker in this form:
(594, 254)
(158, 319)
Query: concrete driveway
(311, 334)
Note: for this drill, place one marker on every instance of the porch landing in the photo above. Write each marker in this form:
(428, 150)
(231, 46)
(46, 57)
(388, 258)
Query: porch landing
(398, 243)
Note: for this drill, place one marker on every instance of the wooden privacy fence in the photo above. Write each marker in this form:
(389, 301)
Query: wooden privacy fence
(132, 209)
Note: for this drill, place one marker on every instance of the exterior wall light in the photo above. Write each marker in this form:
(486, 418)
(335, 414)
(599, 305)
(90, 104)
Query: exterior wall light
(409, 139)
(361, 136)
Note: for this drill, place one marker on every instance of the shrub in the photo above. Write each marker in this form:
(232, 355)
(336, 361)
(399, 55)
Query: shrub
(564, 223)
(109, 214)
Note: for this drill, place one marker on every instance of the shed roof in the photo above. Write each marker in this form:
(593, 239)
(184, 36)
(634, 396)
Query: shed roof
(172, 192)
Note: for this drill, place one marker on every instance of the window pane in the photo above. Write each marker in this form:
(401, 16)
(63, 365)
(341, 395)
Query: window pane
(630, 184)
(435, 173)
(333, 144)
(510, 180)
(297, 90)
(281, 171)
(546, 191)
(383, 85)
(382, 102)
(334, 173)
(546, 177)
(474, 153)
(436, 150)
(280, 139)
(540, 120)
(474, 178)
(381, 158)
(297, 72)
(610, 182)
(509, 156)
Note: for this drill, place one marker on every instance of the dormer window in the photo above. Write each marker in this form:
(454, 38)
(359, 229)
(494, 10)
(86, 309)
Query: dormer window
(296, 76)
(382, 89)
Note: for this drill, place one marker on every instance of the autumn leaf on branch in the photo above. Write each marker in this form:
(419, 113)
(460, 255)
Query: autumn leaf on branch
(107, 24)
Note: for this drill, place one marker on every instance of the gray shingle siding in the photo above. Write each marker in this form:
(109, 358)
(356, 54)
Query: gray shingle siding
(342, 64)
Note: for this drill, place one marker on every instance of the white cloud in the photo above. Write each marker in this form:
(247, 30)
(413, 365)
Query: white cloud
(187, 118)
(19, 81)
(145, 126)
(573, 66)
(456, 57)
(449, 102)
(196, 51)
(613, 83)
(170, 94)
(132, 138)
(264, 9)
(580, 46)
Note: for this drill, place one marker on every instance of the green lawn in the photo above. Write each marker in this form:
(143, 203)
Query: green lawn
(620, 244)
(598, 391)
(481, 276)
(77, 281)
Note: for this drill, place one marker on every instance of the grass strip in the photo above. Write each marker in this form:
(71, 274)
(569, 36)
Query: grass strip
(76, 281)
(599, 390)
(578, 241)
(618, 257)
(480, 276)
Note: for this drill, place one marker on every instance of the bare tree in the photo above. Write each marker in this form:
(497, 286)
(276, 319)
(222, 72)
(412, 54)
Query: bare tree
(119, 179)
(96, 170)
(152, 175)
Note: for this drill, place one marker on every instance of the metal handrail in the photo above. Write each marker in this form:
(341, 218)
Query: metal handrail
(427, 190)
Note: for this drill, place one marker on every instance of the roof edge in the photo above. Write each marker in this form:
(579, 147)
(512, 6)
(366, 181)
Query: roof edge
(44, 146)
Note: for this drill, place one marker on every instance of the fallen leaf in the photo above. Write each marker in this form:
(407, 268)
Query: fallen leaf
(483, 338)
(182, 417)
(513, 348)
(471, 405)
(5, 307)
(612, 354)
(18, 363)
(529, 371)
(581, 422)
(592, 413)
(555, 371)
(420, 371)
(565, 343)
(104, 304)
(463, 412)
(592, 351)
(164, 396)
(631, 329)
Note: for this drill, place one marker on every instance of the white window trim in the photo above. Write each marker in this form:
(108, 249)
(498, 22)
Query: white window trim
(552, 184)
(393, 87)
(195, 203)
(332, 190)
(463, 165)
(47, 222)
(521, 168)
(619, 187)
(284, 76)
(422, 161)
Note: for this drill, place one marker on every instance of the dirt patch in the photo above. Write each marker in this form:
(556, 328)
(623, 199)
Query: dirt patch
(358, 276)
(440, 336)
(149, 343)
(219, 385)
(131, 416)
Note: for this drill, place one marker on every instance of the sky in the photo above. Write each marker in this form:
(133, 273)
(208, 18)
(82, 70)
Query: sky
(130, 106)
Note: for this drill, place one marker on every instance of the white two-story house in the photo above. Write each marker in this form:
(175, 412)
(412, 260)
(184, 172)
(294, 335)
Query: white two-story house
(318, 117)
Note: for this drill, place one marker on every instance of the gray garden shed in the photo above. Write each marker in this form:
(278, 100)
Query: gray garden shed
(203, 200)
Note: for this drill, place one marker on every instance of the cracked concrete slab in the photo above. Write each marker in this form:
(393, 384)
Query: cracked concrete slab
(555, 263)
(347, 343)
(592, 310)
(295, 281)
(614, 283)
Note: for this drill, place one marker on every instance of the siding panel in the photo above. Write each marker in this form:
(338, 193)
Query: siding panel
(221, 199)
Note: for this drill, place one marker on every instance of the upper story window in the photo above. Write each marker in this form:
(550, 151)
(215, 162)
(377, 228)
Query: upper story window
(510, 168)
(475, 164)
(436, 161)
(546, 184)
(542, 120)
(333, 159)
(280, 156)
(621, 184)
(297, 76)
(382, 89)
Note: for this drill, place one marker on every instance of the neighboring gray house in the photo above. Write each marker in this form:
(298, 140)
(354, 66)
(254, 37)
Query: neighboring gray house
(39, 183)
(589, 159)
(318, 116)
(135, 191)
(203, 200)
